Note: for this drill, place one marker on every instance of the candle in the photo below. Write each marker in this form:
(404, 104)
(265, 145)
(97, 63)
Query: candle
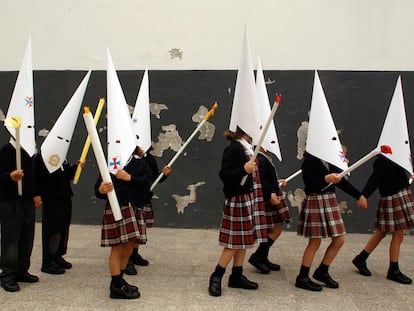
(100, 160)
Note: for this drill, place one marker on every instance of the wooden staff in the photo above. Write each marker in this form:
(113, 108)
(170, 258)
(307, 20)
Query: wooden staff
(16, 123)
(206, 117)
(101, 161)
(88, 142)
(262, 136)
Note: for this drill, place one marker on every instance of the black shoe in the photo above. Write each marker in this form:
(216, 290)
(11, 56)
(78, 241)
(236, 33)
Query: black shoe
(52, 268)
(399, 277)
(123, 293)
(139, 261)
(63, 263)
(130, 269)
(272, 266)
(361, 265)
(324, 277)
(259, 264)
(26, 277)
(129, 286)
(308, 284)
(241, 282)
(10, 285)
(214, 287)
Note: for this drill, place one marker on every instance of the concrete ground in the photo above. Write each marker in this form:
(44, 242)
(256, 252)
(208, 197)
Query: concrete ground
(181, 261)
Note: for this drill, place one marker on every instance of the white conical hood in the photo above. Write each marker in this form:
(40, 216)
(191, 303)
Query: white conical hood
(22, 103)
(395, 131)
(56, 145)
(323, 141)
(141, 122)
(244, 113)
(270, 142)
(121, 140)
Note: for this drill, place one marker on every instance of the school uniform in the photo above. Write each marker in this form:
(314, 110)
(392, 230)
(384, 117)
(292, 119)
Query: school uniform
(122, 231)
(148, 209)
(17, 217)
(56, 195)
(396, 205)
(320, 216)
(243, 221)
(139, 190)
(275, 214)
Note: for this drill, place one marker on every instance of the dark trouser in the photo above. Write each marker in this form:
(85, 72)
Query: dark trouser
(17, 218)
(56, 218)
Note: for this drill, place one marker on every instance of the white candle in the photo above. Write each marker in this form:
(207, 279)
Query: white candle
(100, 160)
(297, 173)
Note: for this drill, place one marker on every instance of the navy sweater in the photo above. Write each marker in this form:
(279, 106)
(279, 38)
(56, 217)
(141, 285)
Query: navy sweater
(313, 173)
(8, 187)
(387, 176)
(232, 171)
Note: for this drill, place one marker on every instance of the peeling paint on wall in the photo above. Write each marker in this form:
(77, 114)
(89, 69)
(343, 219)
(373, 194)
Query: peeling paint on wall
(43, 133)
(207, 130)
(302, 134)
(182, 201)
(169, 139)
(156, 108)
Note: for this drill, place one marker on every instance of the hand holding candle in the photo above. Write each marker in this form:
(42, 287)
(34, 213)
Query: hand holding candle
(383, 149)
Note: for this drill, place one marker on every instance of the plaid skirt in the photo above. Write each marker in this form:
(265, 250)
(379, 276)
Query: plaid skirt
(395, 212)
(277, 214)
(149, 215)
(320, 217)
(243, 222)
(119, 232)
(142, 227)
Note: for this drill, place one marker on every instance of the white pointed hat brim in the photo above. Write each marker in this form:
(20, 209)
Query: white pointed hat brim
(56, 145)
(22, 103)
(395, 131)
(323, 140)
(140, 121)
(121, 139)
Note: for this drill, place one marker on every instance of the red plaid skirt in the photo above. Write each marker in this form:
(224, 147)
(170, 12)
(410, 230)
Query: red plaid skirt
(395, 212)
(149, 215)
(277, 214)
(142, 227)
(320, 217)
(243, 222)
(119, 232)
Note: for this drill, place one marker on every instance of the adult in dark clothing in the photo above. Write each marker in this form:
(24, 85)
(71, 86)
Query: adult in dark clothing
(320, 217)
(395, 214)
(277, 212)
(17, 218)
(136, 258)
(57, 195)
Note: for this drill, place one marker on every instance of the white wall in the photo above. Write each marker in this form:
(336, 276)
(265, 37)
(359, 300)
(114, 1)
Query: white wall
(286, 34)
